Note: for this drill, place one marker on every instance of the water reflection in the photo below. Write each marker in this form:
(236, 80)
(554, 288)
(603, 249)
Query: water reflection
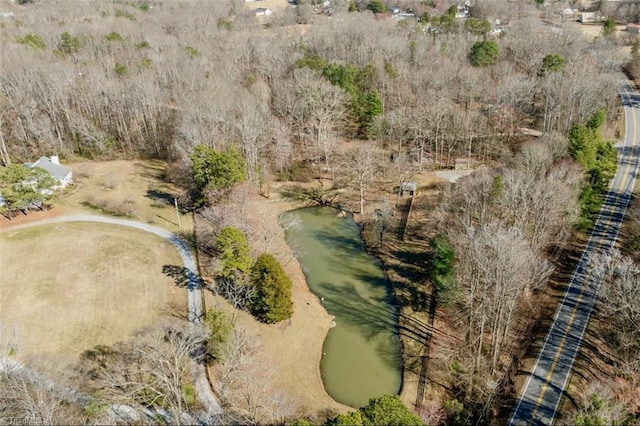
(361, 354)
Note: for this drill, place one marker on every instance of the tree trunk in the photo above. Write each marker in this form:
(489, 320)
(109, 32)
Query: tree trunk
(4, 155)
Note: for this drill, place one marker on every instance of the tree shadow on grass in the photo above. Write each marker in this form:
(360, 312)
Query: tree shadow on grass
(152, 169)
(160, 197)
(183, 277)
(176, 310)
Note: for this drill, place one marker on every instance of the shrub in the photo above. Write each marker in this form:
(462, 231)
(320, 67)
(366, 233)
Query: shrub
(384, 410)
(217, 170)
(377, 6)
(609, 27)
(146, 63)
(192, 51)
(598, 159)
(552, 63)
(189, 393)
(224, 23)
(477, 26)
(455, 412)
(32, 40)
(114, 36)
(219, 327)
(120, 69)
(142, 44)
(441, 268)
(314, 62)
(233, 248)
(124, 14)
(388, 410)
(68, 44)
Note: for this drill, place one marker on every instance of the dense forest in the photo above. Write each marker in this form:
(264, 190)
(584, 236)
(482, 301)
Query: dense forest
(112, 80)
(350, 95)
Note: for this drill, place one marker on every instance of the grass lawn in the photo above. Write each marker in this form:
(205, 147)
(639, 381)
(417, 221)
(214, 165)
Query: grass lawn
(130, 189)
(68, 287)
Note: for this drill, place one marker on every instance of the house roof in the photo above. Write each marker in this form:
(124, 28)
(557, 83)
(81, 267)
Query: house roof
(56, 170)
(409, 186)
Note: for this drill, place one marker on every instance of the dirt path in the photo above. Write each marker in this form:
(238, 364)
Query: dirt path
(201, 382)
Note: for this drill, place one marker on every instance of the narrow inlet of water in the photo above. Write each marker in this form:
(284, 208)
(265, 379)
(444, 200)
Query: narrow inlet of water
(361, 354)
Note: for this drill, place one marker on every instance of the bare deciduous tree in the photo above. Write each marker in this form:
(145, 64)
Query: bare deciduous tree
(150, 371)
(359, 168)
(545, 216)
(265, 232)
(620, 296)
(497, 269)
(248, 385)
(598, 406)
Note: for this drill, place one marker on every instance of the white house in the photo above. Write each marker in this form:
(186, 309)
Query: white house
(62, 174)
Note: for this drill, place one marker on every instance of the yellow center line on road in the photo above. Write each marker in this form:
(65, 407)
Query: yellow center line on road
(625, 177)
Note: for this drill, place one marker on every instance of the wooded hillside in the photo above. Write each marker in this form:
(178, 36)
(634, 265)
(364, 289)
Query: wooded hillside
(345, 94)
(151, 79)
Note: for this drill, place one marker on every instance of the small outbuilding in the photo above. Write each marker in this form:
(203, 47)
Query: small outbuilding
(462, 164)
(263, 11)
(633, 28)
(586, 17)
(409, 187)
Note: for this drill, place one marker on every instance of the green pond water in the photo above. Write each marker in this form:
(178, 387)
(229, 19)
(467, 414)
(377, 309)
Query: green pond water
(361, 354)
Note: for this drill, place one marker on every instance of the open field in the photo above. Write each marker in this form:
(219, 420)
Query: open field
(292, 350)
(593, 31)
(70, 286)
(131, 189)
(274, 5)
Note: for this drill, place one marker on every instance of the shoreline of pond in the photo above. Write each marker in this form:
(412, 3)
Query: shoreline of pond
(390, 300)
(378, 252)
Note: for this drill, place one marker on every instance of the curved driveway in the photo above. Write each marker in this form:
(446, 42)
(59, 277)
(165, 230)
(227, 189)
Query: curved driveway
(201, 382)
(544, 389)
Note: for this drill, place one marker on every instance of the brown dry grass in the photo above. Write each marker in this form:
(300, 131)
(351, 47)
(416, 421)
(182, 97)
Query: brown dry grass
(133, 188)
(86, 287)
(594, 31)
(68, 287)
(293, 348)
(122, 188)
(274, 5)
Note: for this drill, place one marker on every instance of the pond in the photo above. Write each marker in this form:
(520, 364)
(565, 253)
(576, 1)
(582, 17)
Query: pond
(361, 354)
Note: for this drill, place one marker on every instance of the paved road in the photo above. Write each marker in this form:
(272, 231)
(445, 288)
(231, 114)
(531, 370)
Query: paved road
(201, 382)
(543, 391)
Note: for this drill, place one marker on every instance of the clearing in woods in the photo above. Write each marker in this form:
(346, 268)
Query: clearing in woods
(70, 286)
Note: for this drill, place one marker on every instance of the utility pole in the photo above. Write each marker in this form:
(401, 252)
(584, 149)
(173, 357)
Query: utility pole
(175, 201)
